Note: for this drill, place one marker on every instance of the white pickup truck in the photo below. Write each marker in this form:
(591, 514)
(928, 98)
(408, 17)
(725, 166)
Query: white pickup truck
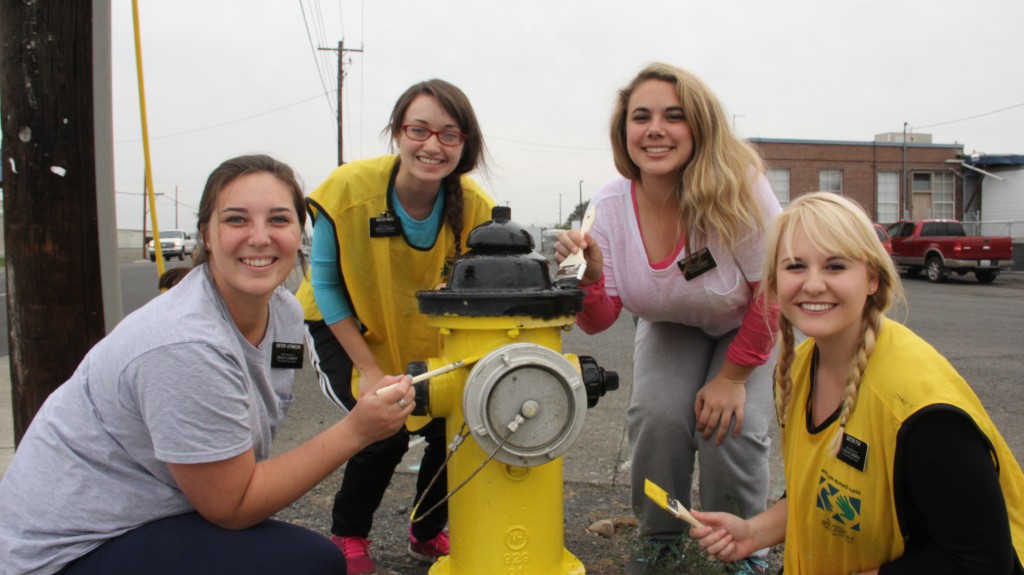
(174, 243)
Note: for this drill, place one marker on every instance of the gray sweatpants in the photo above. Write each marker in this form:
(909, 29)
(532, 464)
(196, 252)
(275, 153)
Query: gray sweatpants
(671, 363)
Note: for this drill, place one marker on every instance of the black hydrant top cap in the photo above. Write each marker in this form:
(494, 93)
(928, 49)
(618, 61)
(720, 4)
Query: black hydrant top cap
(501, 275)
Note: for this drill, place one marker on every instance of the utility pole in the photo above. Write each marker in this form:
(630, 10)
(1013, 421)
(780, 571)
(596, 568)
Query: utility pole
(55, 180)
(341, 49)
(906, 188)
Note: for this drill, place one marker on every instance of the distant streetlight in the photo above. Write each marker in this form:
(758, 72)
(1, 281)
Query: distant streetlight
(581, 204)
(734, 116)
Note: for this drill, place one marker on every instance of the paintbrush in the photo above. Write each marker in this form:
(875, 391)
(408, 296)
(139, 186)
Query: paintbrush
(434, 372)
(660, 496)
(571, 270)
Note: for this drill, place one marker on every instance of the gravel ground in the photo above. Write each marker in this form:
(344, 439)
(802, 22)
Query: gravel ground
(585, 504)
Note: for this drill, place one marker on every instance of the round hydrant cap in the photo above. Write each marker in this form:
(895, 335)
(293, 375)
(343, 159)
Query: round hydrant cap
(501, 275)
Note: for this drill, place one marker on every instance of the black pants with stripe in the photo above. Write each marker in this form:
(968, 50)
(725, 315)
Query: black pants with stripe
(368, 474)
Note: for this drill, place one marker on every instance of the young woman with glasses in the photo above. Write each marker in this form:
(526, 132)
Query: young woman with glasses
(384, 229)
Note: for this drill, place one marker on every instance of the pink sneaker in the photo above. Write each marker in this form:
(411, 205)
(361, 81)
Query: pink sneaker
(357, 554)
(428, 551)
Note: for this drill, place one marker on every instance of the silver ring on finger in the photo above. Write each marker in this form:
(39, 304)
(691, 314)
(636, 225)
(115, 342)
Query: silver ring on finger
(401, 403)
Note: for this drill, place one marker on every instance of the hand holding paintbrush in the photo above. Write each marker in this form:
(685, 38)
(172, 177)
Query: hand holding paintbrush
(673, 506)
(573, 266)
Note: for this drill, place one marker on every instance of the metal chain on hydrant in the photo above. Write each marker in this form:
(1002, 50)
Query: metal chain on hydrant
(452, 448)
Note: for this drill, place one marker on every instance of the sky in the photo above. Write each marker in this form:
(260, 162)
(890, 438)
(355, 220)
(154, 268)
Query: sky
(230, 77)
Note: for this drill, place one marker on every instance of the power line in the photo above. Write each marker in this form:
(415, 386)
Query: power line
(574, 148)
(222, 124)
(970, 117)
(316, 61)
(318, 16)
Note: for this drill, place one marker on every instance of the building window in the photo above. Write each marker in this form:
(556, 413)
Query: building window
(942, 195)
(922, 182)
(941, 186)
(888, 197)
(831, 181)
(779, 181)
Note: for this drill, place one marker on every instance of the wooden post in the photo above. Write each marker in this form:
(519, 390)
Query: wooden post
(54, 287)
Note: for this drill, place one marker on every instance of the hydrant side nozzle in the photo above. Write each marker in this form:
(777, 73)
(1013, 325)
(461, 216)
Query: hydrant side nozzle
(597, 380)
(420, 389)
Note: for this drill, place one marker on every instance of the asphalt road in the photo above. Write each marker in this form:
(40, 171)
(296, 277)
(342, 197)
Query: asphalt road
(978, 327)
(138, 286)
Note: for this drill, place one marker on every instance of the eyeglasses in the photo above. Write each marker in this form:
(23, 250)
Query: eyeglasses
(422, 134)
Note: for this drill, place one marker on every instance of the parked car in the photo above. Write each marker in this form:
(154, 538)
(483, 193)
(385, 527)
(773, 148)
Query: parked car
(173, 243)
(883, 236)
(942, 247)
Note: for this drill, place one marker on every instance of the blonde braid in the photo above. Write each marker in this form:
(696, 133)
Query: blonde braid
(872, 324)
(783, 380)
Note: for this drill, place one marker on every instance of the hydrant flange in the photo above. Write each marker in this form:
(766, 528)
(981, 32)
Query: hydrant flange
(535, 383)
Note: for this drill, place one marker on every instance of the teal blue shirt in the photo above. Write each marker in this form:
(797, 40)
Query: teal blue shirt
(328, 285)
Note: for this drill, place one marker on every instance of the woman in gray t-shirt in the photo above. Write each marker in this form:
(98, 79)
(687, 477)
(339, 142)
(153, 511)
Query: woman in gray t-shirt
(157, 450)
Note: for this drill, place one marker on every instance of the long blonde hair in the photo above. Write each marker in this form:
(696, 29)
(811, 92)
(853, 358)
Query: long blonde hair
(715, 192)
(834, 225)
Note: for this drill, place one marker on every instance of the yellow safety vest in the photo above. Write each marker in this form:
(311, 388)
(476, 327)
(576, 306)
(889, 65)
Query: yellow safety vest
(381, 275)
(841, 519)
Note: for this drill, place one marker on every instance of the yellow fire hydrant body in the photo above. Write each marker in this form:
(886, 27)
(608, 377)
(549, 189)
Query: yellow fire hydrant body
(513, 412)
(507, 519)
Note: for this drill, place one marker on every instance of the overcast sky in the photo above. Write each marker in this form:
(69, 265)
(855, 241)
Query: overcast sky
(228, 77)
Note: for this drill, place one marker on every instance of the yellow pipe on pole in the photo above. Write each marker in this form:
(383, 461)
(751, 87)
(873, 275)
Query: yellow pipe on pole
(145, 141)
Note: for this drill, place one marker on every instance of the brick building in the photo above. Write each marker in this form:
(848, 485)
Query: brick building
(871, 173)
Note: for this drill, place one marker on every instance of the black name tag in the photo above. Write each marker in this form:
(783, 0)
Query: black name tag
(853, 452)
(286, 355)
(697, 264)
(386, 224)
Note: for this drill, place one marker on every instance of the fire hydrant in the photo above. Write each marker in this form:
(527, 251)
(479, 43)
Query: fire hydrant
(521, 401)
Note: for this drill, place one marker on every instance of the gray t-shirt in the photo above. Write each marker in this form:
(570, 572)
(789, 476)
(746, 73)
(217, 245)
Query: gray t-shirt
(175, 382)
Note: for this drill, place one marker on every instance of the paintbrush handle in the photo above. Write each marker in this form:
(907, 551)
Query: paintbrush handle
(682, 513)
(439, 371)
(588, 220)
(425, 376)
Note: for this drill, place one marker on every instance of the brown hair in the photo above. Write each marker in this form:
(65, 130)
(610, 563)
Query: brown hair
(172, 276)
(474, 152)
(229, 171)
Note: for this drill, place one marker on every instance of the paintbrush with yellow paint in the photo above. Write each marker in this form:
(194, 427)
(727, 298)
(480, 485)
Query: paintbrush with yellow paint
(660, 496)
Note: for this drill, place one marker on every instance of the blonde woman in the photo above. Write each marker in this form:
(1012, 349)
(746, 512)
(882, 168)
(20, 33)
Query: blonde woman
(678, 242)
(892, 464)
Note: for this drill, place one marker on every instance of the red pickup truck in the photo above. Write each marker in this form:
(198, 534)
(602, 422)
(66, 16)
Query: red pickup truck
(941, 247)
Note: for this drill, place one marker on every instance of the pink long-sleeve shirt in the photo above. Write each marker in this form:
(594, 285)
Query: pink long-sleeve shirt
(717, 302)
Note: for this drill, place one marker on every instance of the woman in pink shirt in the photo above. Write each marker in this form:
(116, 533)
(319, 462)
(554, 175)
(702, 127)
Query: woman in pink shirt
(678, 241)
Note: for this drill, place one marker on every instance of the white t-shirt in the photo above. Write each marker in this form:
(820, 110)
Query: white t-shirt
(174, 382)
(714, 301)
